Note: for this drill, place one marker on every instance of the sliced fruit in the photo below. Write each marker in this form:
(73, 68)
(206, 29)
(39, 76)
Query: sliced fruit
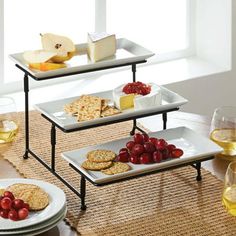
(46, 66)
(38, 56)
(61, 45)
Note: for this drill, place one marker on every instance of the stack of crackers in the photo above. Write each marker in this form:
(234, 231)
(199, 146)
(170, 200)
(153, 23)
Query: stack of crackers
(89, 107)
(103, 160)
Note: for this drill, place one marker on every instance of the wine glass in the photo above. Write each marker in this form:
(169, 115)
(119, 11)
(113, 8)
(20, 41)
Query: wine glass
(229, 193)
(8, 120)
(223, 131)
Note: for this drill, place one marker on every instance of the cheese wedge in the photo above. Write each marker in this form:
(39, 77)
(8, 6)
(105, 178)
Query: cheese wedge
(127, 101)
(100, 46)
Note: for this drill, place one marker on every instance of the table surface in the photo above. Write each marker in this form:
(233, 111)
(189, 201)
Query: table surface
(200, 124)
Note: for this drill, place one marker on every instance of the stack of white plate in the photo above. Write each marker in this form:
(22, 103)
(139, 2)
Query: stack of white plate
(38, 221)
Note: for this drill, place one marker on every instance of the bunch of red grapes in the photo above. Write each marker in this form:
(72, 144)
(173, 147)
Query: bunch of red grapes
(137, 88)
(11, 208)
(146, 150)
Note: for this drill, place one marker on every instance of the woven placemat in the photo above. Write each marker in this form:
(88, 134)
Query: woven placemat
(168, 203)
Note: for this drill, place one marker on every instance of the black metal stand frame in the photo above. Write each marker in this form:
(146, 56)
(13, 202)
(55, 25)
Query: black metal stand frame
(52, 167)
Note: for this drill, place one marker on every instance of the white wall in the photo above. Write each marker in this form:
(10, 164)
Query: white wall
(207, 93)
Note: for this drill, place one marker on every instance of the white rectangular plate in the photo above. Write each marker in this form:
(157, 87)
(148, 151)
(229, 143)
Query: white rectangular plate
(54, 109)
(127, 52)
(195, 147)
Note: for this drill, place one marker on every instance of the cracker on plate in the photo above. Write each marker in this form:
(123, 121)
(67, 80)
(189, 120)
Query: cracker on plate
(116, 168)
(32, 194)
(89, 108)
(101, 155)
(89, 165)
(110, 111)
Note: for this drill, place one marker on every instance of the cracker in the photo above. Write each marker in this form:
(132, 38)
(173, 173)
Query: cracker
(101, 155)
(89, 108)
(32, 194)
(89, 165)
(104, 104)
(110, 111)
(116, 168)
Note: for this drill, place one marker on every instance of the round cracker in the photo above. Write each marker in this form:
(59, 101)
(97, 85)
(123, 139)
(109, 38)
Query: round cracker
(32, 194)
(116, 168)
(101, 155)
(89, 165)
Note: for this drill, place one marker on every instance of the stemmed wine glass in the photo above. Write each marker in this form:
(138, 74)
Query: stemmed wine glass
(8, 120)
(223, 131)
(229, 193)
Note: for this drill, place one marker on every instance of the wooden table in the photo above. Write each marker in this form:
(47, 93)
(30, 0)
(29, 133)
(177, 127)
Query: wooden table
(198, 123)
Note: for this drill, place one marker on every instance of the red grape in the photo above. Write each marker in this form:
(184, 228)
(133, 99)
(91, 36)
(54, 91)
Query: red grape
(145, 137)
(176, 153)
(170, 147)
(23, 213)
(17, 204)
(153, 140)
(9, 194)
(165, 153)
(138, 138)
(6, 203)
(134, 159)
(149, 147)
(123, 157)
(138, 149)
(4, 213)
(12, 215)
(161, 144)
(157, 156)
(123, 150)
(130, 145)
(145, 158)
(26, 205)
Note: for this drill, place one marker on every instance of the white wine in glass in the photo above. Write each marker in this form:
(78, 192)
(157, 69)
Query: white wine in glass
(223, 131)
(229, 193)
(8, 120)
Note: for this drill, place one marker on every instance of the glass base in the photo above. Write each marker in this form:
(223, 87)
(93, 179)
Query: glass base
(226, 157)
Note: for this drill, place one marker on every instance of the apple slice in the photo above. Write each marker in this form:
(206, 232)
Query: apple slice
(61, 45)
(46, 66)
(38, 56)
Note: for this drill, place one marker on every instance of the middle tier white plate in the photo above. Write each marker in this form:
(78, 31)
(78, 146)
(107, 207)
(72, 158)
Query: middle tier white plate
(195, 147)
(54, 109)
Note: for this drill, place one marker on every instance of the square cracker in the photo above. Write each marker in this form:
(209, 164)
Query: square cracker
(110, 111)
(89, 108)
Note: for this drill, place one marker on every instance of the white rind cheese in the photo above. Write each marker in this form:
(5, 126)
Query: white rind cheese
(100, 46)
(126, 101)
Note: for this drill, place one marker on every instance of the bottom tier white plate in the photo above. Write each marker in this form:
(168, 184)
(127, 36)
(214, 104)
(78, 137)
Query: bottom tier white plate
(42, 230)
(37, 227)
(195, 147)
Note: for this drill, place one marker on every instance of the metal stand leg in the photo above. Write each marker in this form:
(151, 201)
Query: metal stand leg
(53, 146)
(198, 167)
(26, 91)
(83, 192)
(164, 118)
(134, 72)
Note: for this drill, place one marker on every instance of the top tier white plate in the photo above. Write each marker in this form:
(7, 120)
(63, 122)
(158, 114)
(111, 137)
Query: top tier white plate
(127, 52)
(57, 201)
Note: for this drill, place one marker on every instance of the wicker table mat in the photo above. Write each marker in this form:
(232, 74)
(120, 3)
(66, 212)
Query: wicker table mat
(168, 203)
